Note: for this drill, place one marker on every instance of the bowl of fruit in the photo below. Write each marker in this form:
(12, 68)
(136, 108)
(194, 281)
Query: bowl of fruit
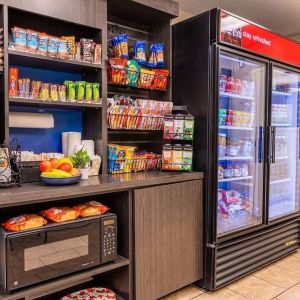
(59, 171)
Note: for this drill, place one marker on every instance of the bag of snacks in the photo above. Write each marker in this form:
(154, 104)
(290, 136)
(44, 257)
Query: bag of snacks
(19, 38)
(78, 51)
(60, 214)
(117, 70)
(91, 208)
(159, 53)
(35, 89)
(24, 222)
(152, 58)
(44, 91)
(96, 92)
(42, 44)
(140, 52)
(70, 89)
(120, 45)
(54, 92)
(132, 73)
(88, 92)
(80, 90)
(62, 50)
(32, 40)
(160, 79)
(62, 92)
(146, 78)
(97, 53)
(70, 46)
(87, 47)
(52, 46)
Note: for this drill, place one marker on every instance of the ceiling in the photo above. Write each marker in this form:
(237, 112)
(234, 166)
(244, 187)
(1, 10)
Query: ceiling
(281, 16)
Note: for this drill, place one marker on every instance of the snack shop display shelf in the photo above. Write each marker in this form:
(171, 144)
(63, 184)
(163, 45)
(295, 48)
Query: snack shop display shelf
(280, 181)
(281, 93)
(224, 94)
(65, 282)
(127, 87)
(43, 103)
(235, 127)
(235, 178)
(43, 61)
(133, 131)
(236, 158)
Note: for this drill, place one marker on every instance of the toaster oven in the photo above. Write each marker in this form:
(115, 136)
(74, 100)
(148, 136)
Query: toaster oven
(56, 249)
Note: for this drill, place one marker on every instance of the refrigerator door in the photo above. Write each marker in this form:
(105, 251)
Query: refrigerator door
(242, 83)
(284, 144)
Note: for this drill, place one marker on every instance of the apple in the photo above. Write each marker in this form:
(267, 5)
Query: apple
(54, 162)
(65, 167)
(45, 166)
(74, 172)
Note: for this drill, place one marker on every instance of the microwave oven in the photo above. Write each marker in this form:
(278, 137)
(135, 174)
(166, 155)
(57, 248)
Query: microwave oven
(56, 249)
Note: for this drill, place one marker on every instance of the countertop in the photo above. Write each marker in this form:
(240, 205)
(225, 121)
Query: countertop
(38, 192)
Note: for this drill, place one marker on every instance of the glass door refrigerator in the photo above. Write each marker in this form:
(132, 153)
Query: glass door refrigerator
(284, 144)
(241, 83)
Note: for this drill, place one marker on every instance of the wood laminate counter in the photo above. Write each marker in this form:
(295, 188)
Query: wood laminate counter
(39, 192)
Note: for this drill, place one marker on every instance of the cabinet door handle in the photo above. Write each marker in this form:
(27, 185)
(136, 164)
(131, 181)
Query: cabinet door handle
(273, 144)
(260, 144)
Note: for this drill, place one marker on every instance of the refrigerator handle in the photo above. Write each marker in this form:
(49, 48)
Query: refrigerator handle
(273, 135)
(260, 143)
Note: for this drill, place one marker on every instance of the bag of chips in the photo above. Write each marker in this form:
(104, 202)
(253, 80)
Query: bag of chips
(146, 78)
(19, 38)
(160, 80)
(62, 49)
(132, 73)
(24, 222)
(32, 40)
(42, 43)
(120, 45)
(140, 52)
(117, 70)
(35, 89)
(92, 208)
(52, 46)
(70, 46)
(152, 58)
(87, 48)
(60, 214)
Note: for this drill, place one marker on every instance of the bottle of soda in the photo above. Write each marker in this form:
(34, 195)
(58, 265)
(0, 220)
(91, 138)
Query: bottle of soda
(229, 85)
(223, 82)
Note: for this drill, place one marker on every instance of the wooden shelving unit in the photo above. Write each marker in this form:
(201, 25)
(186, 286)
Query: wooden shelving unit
(147, 20)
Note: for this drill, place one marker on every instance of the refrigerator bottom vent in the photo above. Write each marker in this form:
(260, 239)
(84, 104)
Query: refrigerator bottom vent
(243, 256)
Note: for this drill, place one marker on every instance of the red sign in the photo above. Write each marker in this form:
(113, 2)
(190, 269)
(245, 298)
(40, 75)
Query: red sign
(251, 37)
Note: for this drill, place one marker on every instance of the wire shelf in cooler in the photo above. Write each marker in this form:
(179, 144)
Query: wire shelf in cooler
(280, 181)
(236, 158)
(235, 127)
(279, 93)
(235, 179)
(281, 124)
(281, 157)
(224, 94)
(121, 121)
(133, 165)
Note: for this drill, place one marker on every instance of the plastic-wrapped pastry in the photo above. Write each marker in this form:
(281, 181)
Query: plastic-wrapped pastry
(60, 214)
(24, 222)
(92, 208)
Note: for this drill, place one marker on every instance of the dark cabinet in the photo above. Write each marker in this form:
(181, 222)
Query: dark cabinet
(168, 238)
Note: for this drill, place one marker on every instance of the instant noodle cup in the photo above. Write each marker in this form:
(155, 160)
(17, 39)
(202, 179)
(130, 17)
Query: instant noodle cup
(60, 214)
(52, 46)
(19, 38)
(42, 44)
(62, 50)
(24, 222)
(32, 40)
(91, 208)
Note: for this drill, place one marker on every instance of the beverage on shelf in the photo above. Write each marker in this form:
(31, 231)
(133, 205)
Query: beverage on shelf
(236, 86)
(234, 146)
(235, 118)
(279, 171)
(233, 170)
(281, 146)
(280, 113)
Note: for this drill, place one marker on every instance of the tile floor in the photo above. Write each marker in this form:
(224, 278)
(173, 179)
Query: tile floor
(278, 281)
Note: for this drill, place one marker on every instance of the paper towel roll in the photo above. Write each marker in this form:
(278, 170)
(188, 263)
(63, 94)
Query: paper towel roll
(89, 146)
(64, 142)
(30, 120)
(74, 139)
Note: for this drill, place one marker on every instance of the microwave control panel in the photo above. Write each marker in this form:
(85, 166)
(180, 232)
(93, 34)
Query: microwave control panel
(109, 238)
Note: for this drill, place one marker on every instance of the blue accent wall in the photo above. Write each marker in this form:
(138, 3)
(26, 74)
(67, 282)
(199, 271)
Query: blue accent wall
(47, 140)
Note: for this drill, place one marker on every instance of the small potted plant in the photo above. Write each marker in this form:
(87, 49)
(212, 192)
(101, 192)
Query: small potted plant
(81, 160)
